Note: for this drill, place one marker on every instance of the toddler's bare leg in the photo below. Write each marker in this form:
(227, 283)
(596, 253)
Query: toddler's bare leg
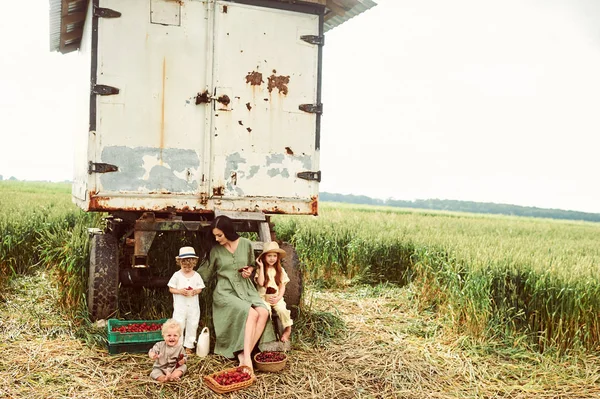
(286, 334)
(176, 375)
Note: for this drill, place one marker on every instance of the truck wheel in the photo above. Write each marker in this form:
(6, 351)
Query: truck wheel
(103, 284)
(293, 289)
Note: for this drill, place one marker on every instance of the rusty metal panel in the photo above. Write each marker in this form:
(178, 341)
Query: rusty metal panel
(192, 204)
(200, 116)
(261, 138)
(151, 130)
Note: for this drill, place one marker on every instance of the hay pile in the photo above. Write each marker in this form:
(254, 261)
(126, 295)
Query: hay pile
(387, 350)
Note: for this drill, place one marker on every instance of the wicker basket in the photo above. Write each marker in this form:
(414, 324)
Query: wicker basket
(270, 366)
(210, 381)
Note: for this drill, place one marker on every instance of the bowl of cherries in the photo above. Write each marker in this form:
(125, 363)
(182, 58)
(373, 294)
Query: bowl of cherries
(270, 361)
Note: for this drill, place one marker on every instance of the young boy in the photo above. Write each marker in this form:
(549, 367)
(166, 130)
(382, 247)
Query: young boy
(168, 355)
(185, 285)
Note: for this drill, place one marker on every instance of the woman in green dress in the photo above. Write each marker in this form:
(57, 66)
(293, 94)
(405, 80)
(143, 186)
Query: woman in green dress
(239, 314)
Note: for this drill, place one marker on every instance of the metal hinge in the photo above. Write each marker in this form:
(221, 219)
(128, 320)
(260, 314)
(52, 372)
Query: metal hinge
(311, 108)
(310, 175)
(98, 167)
(314, 39)
(106, 13)
(104, 90)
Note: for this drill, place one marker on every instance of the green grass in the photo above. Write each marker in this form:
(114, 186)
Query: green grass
(531, 281)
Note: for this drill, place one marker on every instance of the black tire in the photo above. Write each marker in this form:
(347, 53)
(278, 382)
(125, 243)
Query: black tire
(293, 289)
(103, 284)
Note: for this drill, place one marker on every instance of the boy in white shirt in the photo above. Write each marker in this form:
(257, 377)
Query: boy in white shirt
(185, 285)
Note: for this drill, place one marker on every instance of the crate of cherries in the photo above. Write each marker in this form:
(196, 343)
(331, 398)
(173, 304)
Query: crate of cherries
(124, 331)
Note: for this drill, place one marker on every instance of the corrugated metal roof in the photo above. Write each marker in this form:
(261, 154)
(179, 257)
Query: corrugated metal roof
(55, 19)
(66, 25)
(359, 8)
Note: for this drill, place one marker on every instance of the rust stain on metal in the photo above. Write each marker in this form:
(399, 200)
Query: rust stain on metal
(279, 82)
(249, 130)
(276, 210)
(204, 199)
(314, 205)
(218, 191)
(254, 78)
(224, 99)
(202, 98)
(224, 9)
(248, 106)
(97, 203)
(289, 151)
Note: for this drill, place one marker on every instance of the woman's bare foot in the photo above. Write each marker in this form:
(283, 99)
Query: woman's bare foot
(285, 337)
(245, 361)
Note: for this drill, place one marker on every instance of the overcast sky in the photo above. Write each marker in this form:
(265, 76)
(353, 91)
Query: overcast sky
(478, 100)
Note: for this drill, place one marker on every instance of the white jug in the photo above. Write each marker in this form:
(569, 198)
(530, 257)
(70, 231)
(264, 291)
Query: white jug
(203, 345)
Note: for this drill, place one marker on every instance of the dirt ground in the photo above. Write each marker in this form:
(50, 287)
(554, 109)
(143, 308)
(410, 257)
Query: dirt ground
(388, 350)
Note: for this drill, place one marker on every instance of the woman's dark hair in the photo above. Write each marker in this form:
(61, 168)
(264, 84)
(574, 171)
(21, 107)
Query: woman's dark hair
(223, 223)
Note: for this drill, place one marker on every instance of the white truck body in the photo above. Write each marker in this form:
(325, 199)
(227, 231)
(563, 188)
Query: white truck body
(197, 106)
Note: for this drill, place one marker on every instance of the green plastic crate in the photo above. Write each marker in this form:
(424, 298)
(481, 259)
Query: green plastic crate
(133, 337)
(133, 347)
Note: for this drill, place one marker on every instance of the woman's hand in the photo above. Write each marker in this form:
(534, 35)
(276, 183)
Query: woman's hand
(273, 299)
(247, 271)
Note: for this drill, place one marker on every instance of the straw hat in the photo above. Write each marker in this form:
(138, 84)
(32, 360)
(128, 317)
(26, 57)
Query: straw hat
(271, 246)
(187, 252)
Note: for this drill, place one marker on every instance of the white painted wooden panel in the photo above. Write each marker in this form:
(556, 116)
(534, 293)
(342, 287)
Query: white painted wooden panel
(152, 130)
(171, 153)
(261, 139)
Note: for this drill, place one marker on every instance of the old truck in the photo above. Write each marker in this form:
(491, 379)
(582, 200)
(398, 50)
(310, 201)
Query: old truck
(191, 109)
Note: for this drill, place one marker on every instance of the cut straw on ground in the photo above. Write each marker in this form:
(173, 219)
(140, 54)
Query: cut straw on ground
(387, 350)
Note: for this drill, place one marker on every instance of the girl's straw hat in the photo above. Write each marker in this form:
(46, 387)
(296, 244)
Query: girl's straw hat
(271, 246)
(187, 252)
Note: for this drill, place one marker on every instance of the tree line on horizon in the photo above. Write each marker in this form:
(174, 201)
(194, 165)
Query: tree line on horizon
(464, 206)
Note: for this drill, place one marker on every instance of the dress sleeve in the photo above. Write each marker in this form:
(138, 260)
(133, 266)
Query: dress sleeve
(199, 281)
(206, 269)
(284, 276)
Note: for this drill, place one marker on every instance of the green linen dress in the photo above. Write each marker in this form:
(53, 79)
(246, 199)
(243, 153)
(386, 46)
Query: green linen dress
(232, 297)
